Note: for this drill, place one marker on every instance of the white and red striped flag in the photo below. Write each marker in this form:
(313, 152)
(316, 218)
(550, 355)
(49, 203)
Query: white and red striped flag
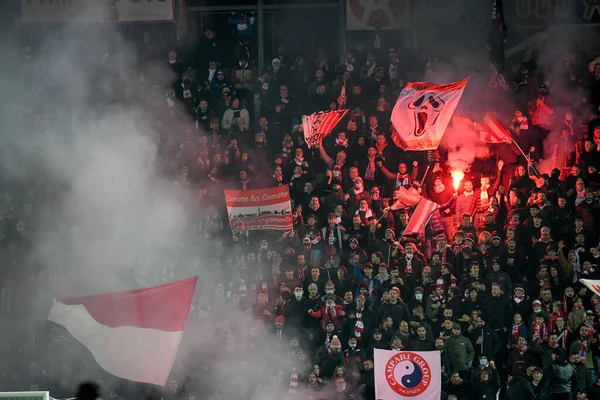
(317, 126)
(132, 335)
(592, 284)
(491, 131)
(420, 217)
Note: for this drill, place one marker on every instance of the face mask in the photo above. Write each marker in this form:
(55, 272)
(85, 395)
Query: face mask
(419, 296)
(298, 295)
(352, 345)
(329, 291)
(483, 361)
(537, 310)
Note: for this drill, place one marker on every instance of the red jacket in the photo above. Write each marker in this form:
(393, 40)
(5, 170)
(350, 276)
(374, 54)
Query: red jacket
(335, 314)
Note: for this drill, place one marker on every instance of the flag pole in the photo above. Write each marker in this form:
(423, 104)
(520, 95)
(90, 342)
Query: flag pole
(535, 171)
(425, 174)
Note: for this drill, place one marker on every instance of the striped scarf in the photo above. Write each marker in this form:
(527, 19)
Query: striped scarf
(370, 172)
(441, 283)
(359, 327)
(337, 170)
(540, 331)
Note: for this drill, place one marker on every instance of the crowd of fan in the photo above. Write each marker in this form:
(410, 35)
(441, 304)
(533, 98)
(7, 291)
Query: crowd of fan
(492, 282)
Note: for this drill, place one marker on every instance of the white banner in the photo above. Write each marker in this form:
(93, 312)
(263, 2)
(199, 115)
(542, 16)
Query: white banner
(365, 14)
(408, 374)
(423, 112)
(97, 10)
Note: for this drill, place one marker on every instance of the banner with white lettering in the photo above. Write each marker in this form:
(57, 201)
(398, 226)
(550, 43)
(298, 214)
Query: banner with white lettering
(407, 374)
(544, 13)
(264, 209)
(97, 11)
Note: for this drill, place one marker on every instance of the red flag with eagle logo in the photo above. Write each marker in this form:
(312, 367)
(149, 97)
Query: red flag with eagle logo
(423, 112)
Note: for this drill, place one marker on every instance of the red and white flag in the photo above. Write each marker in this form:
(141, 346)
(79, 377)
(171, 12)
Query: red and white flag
(264, 209)
(317, 126)
(406, 198)
(133, 335)
(592, 284)
(407, 374)
(491, 131)
(423, 112)
(420, 217)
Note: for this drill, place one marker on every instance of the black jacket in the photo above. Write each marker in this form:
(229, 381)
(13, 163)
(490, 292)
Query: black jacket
(498, 311)
(398, 312)
(491, 342)
(520, 388)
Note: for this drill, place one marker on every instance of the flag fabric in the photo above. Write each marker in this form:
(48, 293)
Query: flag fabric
(341, 100)
(497, 42)
(317, 126)
(406, 198)
(491, 131)
(422, 113)
(407, 374)
(420, 216)
(264, 209)
(487, 130)
(132, 335)
(592, 284)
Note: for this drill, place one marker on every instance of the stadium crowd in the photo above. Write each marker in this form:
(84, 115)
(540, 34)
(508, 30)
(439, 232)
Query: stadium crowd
(492, 281)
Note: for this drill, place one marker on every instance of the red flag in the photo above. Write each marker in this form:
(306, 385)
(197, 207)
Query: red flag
(491, 131)
(406, 198)
(317, 126)
(423, 112)
(420, 217)
(133, 335)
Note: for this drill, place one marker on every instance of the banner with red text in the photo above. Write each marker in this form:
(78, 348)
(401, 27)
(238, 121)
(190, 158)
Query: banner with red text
(407, 374)
(264, 209)
(98, 11)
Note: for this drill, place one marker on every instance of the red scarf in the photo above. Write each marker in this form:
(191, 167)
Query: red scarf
(516, 329)
(540, 331)
(409, 269)
(370, 172)
(337, 170)
(402, 180)
(583, 349)
(215, 139)
(522, 350)
(552, 320)
(359, 327)
(562, 339)
(441, 284)
(286, 149)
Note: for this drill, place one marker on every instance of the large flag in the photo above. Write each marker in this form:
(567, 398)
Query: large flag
(487, 130)
(592, 284)
(422, 113)
(263, 209)
(407, 374)
(97, 11)
(496, 44)
(133, 335)
(492, 131)
(420, 217)
(317, 126)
